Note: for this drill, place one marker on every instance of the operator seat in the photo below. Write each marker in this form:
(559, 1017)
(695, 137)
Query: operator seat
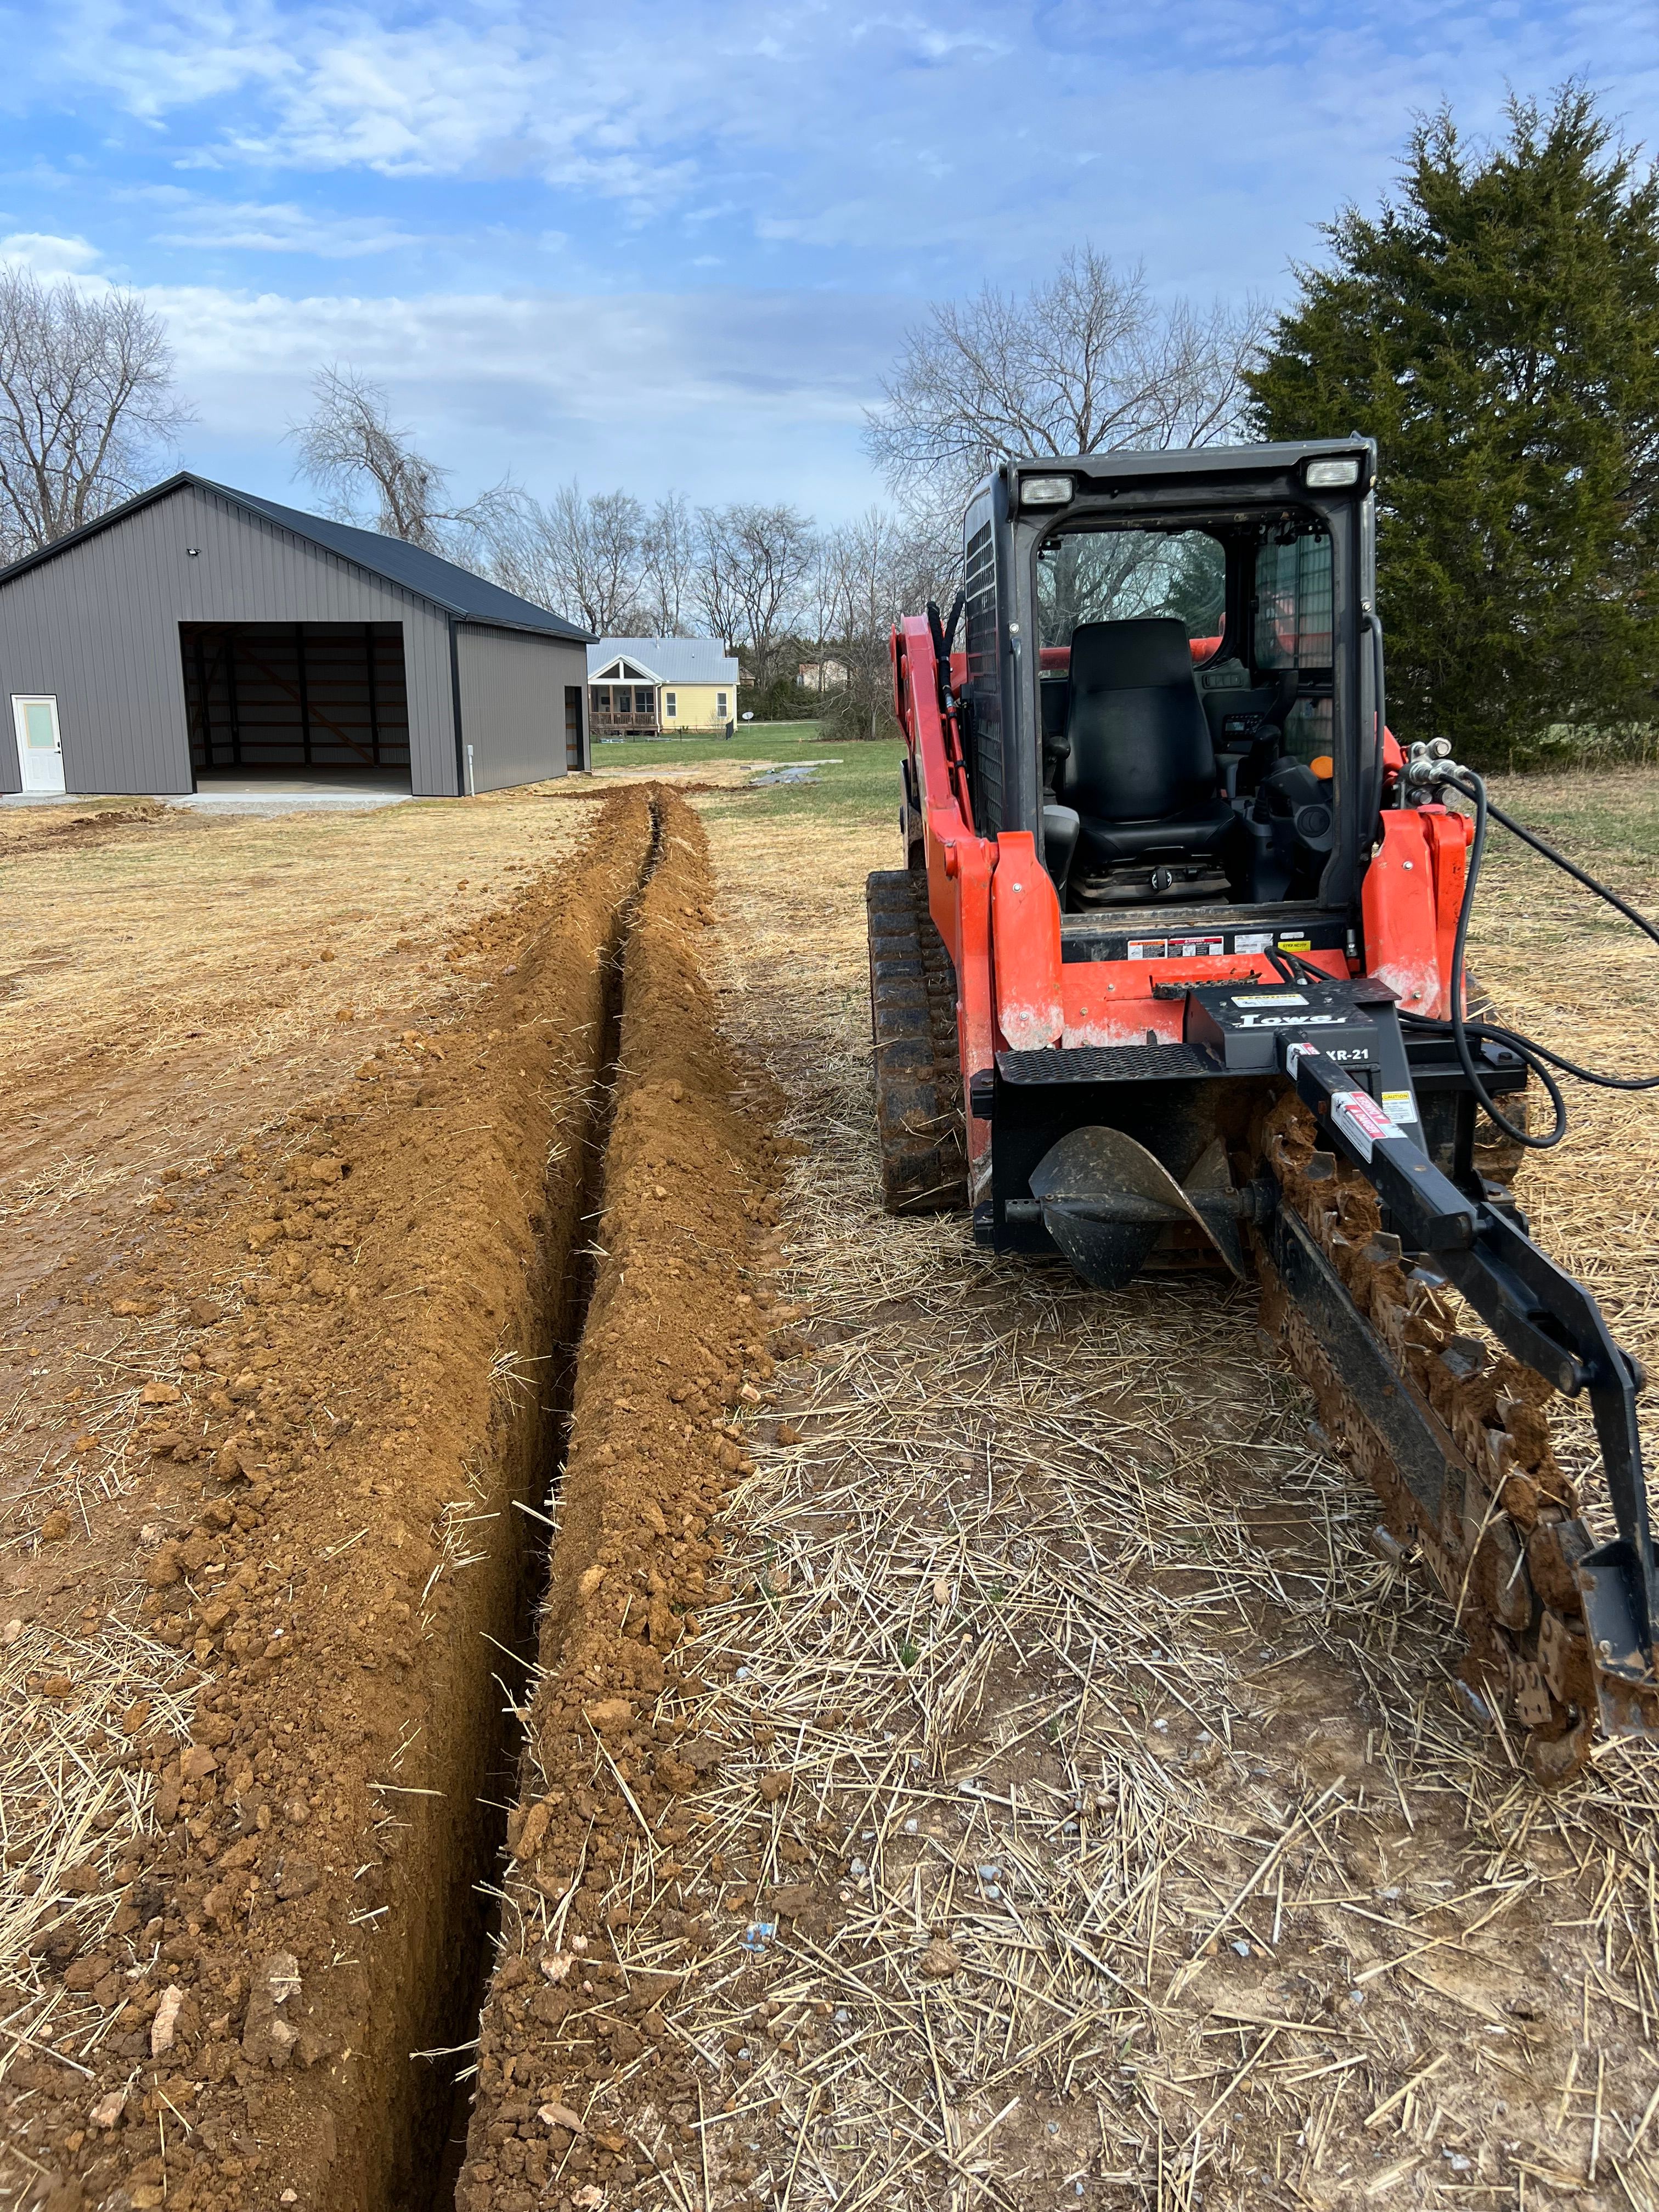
(1141, 770)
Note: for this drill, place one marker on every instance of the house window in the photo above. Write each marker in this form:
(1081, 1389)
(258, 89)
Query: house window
(720, 705)
(644, 701)
(669, 705)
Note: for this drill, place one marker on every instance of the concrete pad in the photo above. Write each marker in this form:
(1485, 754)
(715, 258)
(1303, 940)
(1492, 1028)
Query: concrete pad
(296, 794)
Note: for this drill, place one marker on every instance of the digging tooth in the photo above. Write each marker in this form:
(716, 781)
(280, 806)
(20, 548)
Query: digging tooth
(1552, 1549)
(1508, 1534)
(1564, 1656)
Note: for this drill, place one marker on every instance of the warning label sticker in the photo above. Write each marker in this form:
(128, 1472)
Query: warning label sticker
(1397, 1105)
(1361, 1119)
(1198, 948)
(1148, 948)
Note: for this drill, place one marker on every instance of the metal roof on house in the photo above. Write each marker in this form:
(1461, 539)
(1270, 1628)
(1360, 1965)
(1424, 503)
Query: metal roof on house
(667, 660)
(456, 591)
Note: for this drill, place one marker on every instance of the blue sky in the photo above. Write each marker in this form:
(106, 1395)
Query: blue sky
(657, 244)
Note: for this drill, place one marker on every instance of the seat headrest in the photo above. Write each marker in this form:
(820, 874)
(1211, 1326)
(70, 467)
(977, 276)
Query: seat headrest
(1148, 653)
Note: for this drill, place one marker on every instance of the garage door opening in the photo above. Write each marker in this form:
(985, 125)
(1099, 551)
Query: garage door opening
(299, 703)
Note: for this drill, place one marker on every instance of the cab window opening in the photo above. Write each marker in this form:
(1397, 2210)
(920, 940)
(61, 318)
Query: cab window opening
(1185, 686)
(1123, 575)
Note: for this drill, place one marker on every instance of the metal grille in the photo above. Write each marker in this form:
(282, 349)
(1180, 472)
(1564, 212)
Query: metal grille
(1293, 604)
(984, 679)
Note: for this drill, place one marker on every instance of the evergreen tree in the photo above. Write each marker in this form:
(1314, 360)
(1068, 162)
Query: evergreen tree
(1496, 328)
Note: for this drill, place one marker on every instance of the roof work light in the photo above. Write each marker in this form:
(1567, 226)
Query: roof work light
(1045, 491)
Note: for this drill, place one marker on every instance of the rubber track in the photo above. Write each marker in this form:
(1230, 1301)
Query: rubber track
(913, 1015)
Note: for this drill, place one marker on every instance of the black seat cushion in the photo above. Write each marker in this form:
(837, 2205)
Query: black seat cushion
(1201, 832)
(1141, 770)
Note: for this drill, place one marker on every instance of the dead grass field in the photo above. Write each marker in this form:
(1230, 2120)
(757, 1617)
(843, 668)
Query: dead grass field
(1167, 1867)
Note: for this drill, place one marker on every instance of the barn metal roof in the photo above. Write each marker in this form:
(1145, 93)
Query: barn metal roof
(456, 591)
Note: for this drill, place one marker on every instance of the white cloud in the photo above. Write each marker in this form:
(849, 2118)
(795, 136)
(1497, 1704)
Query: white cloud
(258, 227)
(1207, 137)
(725, 393)
(48, 256)
(740, 144)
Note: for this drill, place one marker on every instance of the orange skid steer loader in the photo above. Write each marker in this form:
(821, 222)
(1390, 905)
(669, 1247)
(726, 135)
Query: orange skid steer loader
(1173, 977)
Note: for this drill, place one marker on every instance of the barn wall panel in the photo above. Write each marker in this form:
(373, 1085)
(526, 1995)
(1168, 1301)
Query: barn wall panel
(512, 704)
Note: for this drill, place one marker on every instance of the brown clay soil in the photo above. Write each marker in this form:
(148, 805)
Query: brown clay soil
(575, 2027)
(261, 1613)
(966, 1752)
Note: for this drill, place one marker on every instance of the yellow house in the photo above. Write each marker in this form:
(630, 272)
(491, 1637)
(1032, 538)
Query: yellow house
(658, 687)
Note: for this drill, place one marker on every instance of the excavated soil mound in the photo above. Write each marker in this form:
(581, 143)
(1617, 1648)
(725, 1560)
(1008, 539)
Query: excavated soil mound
(573, 2059)
(276, 1905)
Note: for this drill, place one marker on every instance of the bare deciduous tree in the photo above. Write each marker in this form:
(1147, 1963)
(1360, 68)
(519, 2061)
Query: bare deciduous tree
(349, 444)
(871, 572)
(615, 531)
(713, 586)
(859, 566)
(578, 555)
(668, 560)
(1086, 361)
(87, 402)
(754, 567)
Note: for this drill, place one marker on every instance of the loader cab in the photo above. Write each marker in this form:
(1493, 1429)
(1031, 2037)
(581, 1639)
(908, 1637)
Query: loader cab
(1171, 677)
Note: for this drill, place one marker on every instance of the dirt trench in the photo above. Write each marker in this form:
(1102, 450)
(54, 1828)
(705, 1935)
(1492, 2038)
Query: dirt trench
(577, 2071)
(271, 1900)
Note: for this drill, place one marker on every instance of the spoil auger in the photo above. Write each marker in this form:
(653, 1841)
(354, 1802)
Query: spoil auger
(1173, 977)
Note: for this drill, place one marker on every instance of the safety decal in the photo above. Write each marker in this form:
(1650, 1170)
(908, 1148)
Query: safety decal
(1361, 1121)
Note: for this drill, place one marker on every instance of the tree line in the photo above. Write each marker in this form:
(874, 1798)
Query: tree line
(1494, 324)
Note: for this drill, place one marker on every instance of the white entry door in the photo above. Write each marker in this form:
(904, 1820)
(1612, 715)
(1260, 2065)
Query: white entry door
(39, 745)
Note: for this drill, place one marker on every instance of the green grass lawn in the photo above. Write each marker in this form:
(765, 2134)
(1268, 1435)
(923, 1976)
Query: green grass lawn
(1594, 816)
(857, 784)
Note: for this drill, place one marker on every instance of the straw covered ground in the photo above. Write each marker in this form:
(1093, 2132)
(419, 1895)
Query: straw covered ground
(1097, 1821)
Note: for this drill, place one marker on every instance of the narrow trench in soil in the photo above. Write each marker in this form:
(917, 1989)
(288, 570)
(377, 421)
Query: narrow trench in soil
(567, 1302)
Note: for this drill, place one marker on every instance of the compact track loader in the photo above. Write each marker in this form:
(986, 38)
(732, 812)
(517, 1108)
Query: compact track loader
(1173, 978)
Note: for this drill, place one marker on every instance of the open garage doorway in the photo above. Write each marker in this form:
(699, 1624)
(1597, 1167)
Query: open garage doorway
(301, 704)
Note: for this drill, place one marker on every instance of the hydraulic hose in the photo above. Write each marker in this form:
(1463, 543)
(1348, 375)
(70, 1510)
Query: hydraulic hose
(1538, 1058)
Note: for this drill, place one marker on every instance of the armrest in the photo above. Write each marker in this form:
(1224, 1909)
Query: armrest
(1060, 825)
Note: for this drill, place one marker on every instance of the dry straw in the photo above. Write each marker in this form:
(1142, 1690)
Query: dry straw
(1095, 1819)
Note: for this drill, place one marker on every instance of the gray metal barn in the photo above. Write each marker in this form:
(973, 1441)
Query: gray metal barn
(197, 632)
